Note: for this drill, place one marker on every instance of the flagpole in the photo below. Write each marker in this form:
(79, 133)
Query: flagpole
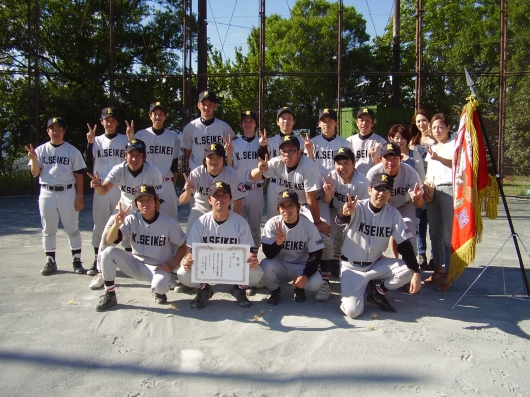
(471, 85)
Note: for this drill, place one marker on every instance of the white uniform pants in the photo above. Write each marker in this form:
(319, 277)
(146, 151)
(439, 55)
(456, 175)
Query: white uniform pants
(103, 244)
(102, 208)
(112, 258)
(169, 195)
(184, 277)
(54, 206)
(275, 271)
(252, 211)
(354, 279)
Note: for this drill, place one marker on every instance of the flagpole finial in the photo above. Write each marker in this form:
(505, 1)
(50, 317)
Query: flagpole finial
(470, 82)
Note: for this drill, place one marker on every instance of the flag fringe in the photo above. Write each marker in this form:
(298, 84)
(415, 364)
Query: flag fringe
(462, 257)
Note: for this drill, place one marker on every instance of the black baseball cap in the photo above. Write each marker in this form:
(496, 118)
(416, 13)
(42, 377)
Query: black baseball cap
(110, 112)
(383, 180)
(208, 95)
(290, 139)
(285, 109)
(136, 144)
(249, 113)
(214, 148)
(225, 187)
(327, 112)
(287, 196)
(56, 120)
(155, 105)
(145, 190)
(389, 148)
(367, 111)
(344, 152)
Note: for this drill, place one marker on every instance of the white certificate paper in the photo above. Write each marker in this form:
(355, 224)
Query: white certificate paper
(220, 263)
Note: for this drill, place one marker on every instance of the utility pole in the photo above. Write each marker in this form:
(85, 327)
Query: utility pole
(395, 53)
(202, 47)
(339, 62)
(419, 51)
(111, 52)
(502, 84)
(261, 93)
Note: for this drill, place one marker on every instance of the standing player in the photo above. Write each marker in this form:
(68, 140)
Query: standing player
(365, 144)
(293, 247)
(104, 152)
(285, 120)
(152, 236)
(220, 226)
(369, 225)
(60, 168)
(204, 130)
(163, 150)
(242, 155)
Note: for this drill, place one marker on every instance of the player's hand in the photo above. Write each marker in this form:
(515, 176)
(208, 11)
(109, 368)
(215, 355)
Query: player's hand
(187, 262)
(300, 281)
(374, 151)
(428, 193)
(349, 206)
(263, 141)
(417, 194)
(189, 185)
(263, 165)
(229, 149)
(308, 144)
(253, 262)
(79, 203)
(95, 181)
(328, 186)
(130, 130)
(415, 283)
(91, 134)
(120, 216)
(323, 227)
(280, 235)
(31, 152)
(164, 268)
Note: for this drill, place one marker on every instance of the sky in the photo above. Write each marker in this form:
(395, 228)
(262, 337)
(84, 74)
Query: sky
(230, 21)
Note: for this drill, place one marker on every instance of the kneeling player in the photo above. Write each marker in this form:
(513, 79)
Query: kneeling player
(293, 248)
(369, 225)
(152, 237)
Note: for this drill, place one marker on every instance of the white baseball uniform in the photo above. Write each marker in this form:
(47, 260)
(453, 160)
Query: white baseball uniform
(196, 136)
(324, 150)
(366, 238)
(234, 230)
(291, 261)
(151, 244)
(274, 144)
(162, 149)
(58, 193)
(361, 147)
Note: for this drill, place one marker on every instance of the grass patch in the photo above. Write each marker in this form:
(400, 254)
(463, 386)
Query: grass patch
(18, 182)
(516, 185)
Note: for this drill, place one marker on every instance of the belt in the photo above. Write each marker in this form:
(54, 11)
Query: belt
(362, 264)
(255, 186)
(58, 188)
(445, 184)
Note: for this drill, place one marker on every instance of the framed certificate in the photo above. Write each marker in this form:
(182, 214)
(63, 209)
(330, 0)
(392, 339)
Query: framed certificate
(220, 263)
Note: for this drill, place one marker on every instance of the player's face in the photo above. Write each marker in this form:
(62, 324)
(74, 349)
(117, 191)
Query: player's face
(391, 164)
(440, 131)
(110, 124)
(422, 123)
(402, 142)
(56, 134)
(248, 125)
(290, 154)
(365, 124)
(147, 206)
(286, 123)
(289, 212)
(214, 164)
(345, 168)
(328, 126)
(158, 117)
(207, 108)
(134, 159)
(220, 201)
(379, 196)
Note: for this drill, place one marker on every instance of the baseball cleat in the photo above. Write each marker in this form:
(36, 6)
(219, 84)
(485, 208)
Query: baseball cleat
(241, 296)
(97, 282)
(276, 296)
(106, 301)
(202, 297)
(323, 293)
(78, 267)
(49, 268)
(299, 294)
(380, 300)
(93, 269)
(160, 298)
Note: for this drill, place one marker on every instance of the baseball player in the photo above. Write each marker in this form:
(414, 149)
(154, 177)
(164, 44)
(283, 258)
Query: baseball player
(242, 155)
(104, 152)
(285, 120)
(220, 226)
(292, 246)
(407, 194)
(365, 144)
(343, 180)
(129, 175)
(204, 131)
(152, 236)
(60, 168)
(369, 225)
(214, 169)
(163, 150)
